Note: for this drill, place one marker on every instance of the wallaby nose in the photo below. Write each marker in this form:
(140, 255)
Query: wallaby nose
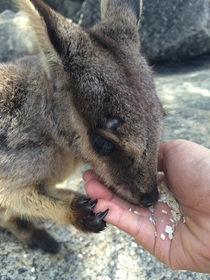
(149, 199)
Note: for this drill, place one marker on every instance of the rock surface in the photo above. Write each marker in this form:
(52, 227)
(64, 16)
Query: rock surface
(175, 29)
(6, 5)
(170, 30)
(15, 36)
(184, 89)
(67, 8)
(89, 14)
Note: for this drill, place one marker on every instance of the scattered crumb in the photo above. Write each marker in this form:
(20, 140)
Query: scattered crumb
(151, 219)
(166, 196)
(170, 236)
(151, 209)
(162, 236)
(137, 213)
(170, 231)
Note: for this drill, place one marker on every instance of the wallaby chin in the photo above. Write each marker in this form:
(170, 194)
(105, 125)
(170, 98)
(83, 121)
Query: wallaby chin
(89, 96)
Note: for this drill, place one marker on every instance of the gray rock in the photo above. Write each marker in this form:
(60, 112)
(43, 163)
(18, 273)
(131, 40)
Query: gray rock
(6, 5)
(89, 13)
(15, 36)
(68, 8)
(175, 29)
(169, 29)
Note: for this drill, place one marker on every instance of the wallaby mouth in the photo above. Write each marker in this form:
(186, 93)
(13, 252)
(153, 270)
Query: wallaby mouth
(149, 199)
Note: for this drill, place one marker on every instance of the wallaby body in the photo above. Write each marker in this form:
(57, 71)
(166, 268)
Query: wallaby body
(88, 97)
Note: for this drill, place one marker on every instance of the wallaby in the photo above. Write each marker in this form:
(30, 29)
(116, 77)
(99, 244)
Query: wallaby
(88, 97)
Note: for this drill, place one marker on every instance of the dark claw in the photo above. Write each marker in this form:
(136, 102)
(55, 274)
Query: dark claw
(93, 204)
(102, 215)
(85, 219)
(84, 200)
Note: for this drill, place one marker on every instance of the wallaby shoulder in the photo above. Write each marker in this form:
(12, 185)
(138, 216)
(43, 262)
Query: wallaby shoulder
(20, 95)
(15, 78)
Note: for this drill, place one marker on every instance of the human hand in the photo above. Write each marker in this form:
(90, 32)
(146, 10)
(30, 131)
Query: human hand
(187, 169)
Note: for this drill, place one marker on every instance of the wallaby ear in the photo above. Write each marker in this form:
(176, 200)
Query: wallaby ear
(39, 16)
(115, 7)
(57, 37)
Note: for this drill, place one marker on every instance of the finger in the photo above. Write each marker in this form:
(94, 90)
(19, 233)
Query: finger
(161, 158)
(171, 148)
(192, 162)
(96, 190)
(137, 225)
(163, 151)
(89, 175)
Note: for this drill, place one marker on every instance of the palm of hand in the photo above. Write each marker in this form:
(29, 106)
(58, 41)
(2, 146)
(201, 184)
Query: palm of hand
(187, 168)
(190, 247)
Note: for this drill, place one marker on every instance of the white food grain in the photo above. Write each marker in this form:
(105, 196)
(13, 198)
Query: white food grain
(170, 236)
(162, 236)
(151, 219)
(167, 197)
(137, 213)
(151, 209)
(134, 211)
(168, 229)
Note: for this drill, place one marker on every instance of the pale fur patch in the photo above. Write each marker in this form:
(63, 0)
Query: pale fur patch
(49, 57)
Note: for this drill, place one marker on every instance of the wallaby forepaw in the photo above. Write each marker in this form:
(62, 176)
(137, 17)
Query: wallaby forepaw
(40, 239)
(85, 219)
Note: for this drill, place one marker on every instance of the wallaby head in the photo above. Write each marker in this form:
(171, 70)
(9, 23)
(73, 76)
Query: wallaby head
(106, 88)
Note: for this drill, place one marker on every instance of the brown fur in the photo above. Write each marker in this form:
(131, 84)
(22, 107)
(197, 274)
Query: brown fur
(88, 97)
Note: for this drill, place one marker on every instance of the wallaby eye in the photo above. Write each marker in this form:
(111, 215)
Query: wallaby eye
(102, 145)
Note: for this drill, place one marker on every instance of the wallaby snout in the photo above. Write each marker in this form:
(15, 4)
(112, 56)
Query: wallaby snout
(136, 185)
(89, 96)
(150, 198)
